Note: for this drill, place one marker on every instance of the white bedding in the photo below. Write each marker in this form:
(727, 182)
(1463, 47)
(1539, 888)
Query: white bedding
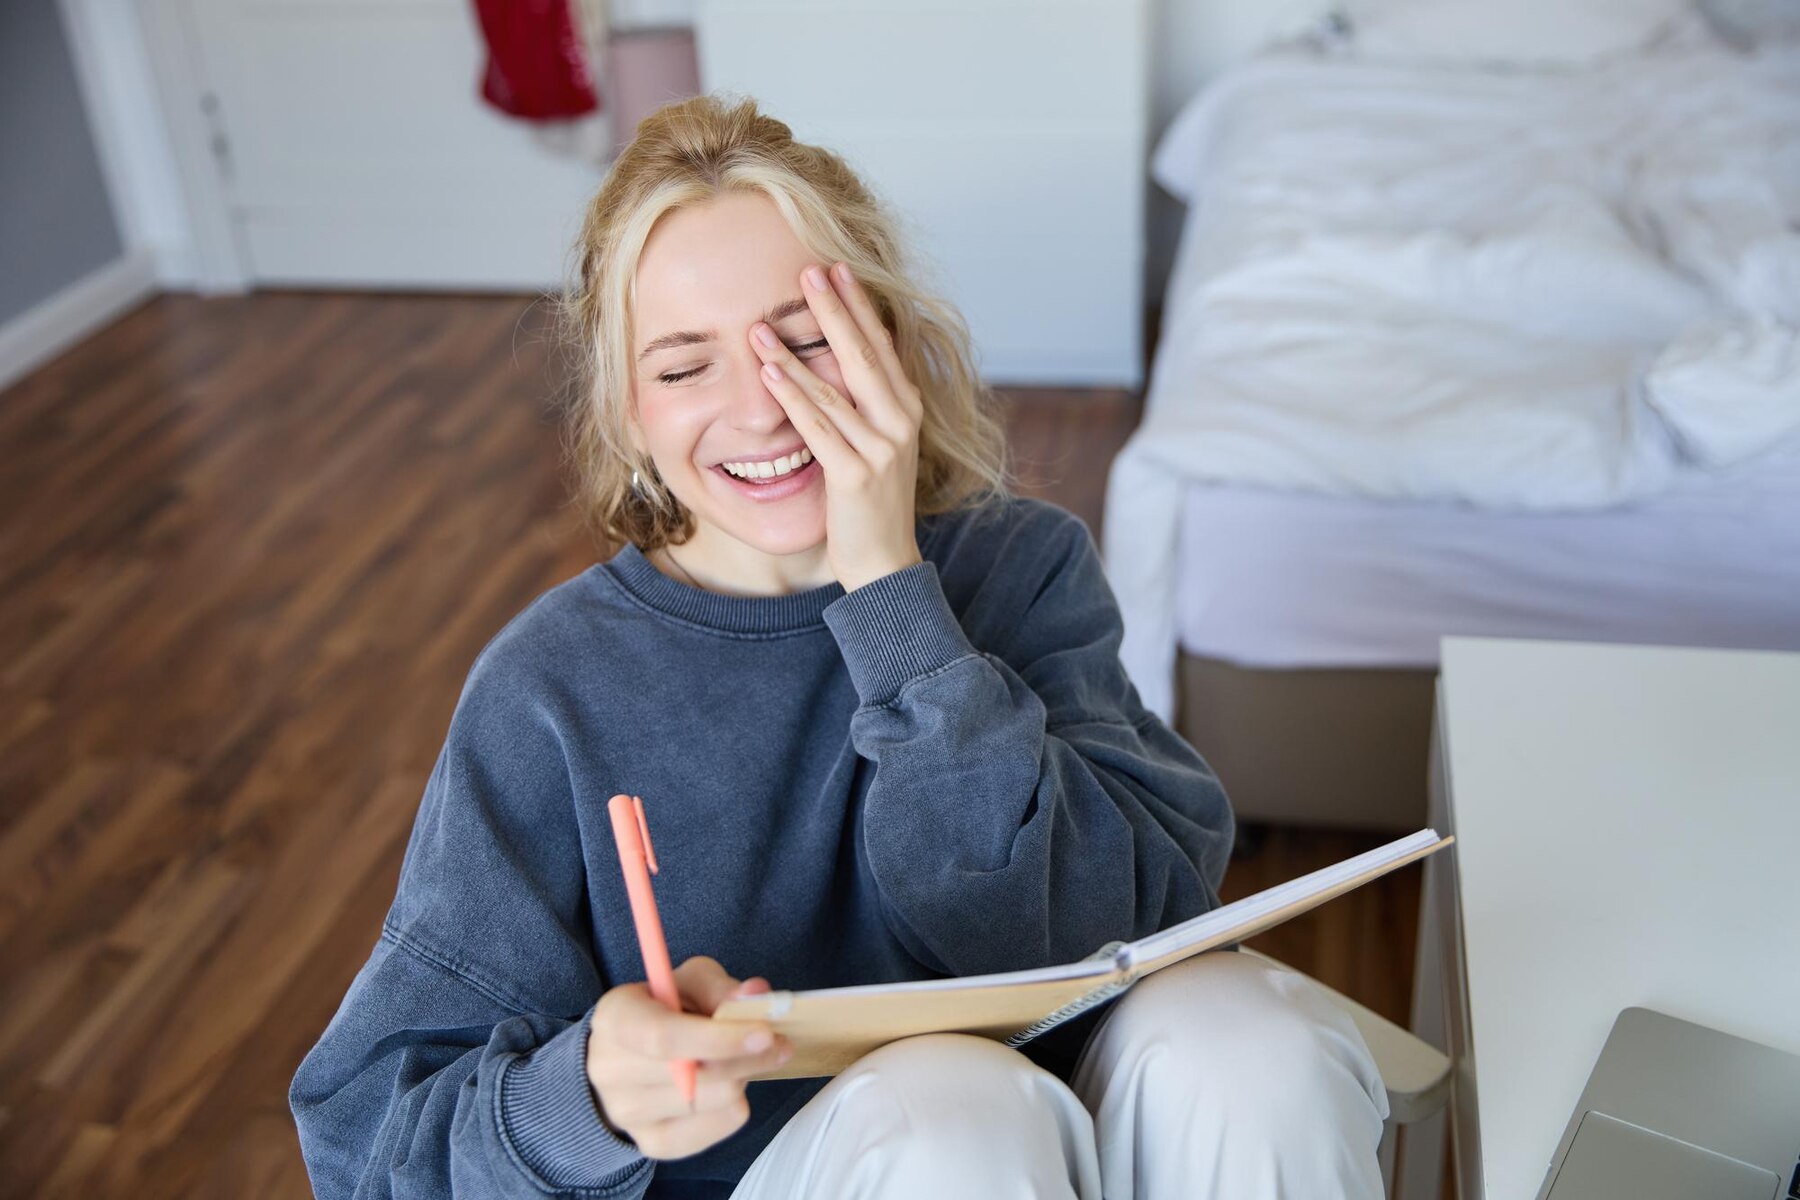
(1282, 579)
(1446, 283)
(1523, 291)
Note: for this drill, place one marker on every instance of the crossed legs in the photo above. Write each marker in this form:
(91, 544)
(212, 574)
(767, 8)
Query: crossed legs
(1220, 1076)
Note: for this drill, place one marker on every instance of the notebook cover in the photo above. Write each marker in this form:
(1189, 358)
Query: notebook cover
(833, 1027)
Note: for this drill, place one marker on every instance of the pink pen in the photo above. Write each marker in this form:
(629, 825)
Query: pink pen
(639, 862)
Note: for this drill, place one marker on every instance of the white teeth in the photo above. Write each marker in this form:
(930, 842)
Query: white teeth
(771, 468)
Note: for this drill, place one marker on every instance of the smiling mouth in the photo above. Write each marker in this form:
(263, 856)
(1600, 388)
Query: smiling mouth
(767, 470)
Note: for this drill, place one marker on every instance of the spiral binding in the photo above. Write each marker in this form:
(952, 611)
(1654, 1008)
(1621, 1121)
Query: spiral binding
(1075, 1008)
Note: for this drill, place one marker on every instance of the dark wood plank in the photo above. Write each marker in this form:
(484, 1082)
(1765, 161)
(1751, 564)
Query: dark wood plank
(248, 549)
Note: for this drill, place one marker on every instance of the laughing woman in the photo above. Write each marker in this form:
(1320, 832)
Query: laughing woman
(875, 707)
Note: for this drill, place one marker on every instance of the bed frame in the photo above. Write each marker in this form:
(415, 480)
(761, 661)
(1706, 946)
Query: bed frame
(1340, 747)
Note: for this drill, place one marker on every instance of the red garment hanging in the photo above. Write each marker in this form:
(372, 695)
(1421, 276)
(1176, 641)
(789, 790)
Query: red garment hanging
(537, 66)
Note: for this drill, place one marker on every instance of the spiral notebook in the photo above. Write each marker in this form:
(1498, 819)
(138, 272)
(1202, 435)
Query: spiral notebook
(833, 1027)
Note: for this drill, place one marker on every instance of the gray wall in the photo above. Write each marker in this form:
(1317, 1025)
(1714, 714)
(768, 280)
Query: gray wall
(56, 224)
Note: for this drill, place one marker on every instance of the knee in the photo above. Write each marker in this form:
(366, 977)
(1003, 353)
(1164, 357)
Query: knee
(1229, 1033)
(924, 1052)
(944, 1115)
(955, 1087)
(936, 1075)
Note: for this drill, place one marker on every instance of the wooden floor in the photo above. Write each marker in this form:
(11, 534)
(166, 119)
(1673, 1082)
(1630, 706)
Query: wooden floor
(248, 549)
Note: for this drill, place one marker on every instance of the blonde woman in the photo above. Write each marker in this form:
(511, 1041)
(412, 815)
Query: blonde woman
(875, 708)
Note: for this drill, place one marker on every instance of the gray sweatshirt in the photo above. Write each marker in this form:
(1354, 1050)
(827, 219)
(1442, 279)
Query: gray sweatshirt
(944, 772)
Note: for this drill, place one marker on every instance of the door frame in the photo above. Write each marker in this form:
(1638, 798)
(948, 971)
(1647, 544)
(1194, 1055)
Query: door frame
(147, 95)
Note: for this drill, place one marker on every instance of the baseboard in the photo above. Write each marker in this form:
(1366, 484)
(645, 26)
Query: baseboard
(39, 334)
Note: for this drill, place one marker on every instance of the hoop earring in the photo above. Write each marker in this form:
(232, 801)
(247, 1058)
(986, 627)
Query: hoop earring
(648, 492)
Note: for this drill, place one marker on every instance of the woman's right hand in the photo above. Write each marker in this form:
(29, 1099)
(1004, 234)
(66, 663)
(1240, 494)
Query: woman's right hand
(634, 1038)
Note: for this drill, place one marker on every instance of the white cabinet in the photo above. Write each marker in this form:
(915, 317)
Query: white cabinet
(1010, 137)
(1625, 825)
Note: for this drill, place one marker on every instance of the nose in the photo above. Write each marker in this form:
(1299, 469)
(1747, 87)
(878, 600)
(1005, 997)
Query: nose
(752, 405)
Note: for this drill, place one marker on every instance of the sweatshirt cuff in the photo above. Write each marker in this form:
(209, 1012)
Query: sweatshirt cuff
(895, 629)
(549, 1114)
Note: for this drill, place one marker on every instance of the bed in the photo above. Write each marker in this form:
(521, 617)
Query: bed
(1459, 347)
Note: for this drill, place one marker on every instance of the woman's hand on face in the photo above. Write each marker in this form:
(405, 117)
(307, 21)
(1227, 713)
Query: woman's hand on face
(633, 1038)
(867, 443)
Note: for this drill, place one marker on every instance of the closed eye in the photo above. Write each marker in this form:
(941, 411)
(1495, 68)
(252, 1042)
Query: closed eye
(678, 376)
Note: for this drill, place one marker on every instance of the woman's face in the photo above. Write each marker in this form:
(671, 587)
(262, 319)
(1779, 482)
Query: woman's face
(707, 274)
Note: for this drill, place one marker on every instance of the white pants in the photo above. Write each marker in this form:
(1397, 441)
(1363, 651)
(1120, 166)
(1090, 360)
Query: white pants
(1221, 1076)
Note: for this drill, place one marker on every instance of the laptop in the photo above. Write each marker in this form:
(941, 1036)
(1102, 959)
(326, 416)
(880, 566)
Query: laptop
(1677, 1111)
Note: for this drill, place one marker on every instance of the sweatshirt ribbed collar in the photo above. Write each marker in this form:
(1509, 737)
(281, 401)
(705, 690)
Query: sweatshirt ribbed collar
(766, 615)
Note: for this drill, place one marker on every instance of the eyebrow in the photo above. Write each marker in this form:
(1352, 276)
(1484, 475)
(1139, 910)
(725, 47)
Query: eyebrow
(692, 337)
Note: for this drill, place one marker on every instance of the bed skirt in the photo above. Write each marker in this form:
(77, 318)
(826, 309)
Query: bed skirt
(1340, 747)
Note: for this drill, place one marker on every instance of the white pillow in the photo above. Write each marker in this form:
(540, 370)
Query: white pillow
(1514, 32)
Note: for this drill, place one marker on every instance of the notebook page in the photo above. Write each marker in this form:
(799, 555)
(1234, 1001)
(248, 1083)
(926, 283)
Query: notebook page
(1096, 968)
(1250, 908)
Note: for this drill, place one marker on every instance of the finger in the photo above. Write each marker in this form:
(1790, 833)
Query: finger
(852, 422)
(856, 298)
(645, 1027)
(750, 989)
(820, 432)
(687, 1134)
(703, 984)
(636, 1104)
(749, 1066)
(627, 1073)
(840, 409)
(651, 1085)
(649, 1104)
(864, 374)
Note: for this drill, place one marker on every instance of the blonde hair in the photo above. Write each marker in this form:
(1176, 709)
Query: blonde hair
(687, 153)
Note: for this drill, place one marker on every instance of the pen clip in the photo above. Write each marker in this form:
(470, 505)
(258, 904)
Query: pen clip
(637, 806)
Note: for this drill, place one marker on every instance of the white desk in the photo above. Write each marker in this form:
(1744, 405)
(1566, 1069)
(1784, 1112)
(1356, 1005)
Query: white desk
(1628, 832)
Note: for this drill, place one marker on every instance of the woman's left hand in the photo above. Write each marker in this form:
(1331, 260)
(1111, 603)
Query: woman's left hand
(867, 444)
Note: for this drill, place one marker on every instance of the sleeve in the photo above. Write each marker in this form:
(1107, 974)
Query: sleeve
(456, 1063)
(1025, 808)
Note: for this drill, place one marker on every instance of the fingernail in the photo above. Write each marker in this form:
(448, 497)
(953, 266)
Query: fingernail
(759, 1041)
(771, 372)
(816, 277)
(766, 336)
(842, 271)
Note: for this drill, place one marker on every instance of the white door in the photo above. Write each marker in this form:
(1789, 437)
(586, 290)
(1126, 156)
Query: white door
(354, 148)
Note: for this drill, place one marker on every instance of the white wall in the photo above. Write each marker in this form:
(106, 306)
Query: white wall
(1192, 40)
(58, 225)
(69, 261)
